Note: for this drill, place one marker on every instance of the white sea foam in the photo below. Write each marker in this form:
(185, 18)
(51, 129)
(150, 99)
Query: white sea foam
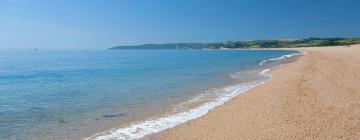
(282, 57)
(265, 73)
(141, 129)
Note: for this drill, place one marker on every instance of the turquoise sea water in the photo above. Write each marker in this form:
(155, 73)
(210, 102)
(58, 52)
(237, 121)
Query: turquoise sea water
(74, 94)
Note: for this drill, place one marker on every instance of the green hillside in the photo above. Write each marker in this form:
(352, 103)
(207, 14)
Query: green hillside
(310, 42)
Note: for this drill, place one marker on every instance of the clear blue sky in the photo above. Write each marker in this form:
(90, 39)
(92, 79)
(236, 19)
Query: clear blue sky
(99, 24)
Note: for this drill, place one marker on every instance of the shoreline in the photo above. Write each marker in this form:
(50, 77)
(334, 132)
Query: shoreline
(286, 112)
(150, 127)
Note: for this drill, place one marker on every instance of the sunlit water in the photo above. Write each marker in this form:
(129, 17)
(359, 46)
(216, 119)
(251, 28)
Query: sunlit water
(73, 94)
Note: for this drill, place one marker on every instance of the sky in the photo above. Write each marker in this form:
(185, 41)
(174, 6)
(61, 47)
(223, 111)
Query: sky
(101, 24)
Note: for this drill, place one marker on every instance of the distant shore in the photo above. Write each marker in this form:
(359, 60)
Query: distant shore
(249, 44)
(316, 97)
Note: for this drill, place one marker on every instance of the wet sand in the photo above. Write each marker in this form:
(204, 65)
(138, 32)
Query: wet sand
(316, 97)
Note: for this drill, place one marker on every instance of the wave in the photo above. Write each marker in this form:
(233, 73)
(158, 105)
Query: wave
(282, 57)
(141, 129)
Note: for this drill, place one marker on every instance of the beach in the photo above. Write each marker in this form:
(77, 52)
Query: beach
(77, 94)
(316, 97)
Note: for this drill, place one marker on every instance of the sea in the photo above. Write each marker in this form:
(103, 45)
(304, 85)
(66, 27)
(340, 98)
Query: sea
(121, 94)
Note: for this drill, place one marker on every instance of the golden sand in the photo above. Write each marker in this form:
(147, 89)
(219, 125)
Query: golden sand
(316, 97)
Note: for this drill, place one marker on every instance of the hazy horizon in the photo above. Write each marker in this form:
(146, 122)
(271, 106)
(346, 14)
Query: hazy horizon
(104, 24)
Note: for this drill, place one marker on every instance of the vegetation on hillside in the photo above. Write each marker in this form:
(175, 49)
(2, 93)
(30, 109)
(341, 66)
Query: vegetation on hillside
(310, 42)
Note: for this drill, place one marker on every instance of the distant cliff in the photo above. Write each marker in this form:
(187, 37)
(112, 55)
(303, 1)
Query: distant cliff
(310, 42)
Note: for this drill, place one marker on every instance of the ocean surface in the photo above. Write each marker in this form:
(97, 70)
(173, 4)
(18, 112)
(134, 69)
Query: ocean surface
(120, 94)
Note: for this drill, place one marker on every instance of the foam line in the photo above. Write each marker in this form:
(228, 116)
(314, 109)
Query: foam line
(282, 57)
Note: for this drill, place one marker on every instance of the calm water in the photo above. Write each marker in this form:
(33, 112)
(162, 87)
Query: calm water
(72, 94)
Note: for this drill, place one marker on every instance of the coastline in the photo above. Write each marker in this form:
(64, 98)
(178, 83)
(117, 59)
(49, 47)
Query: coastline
(316, 97)
(157, 125)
